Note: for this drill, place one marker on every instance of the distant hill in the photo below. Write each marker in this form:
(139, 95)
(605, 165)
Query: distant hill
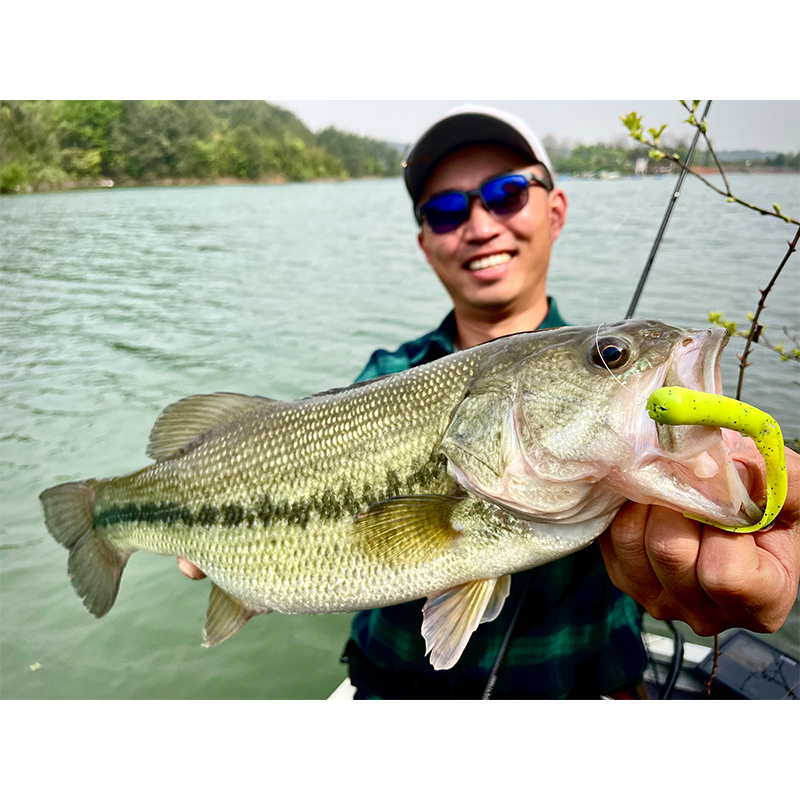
(47, 144)
(361, 155)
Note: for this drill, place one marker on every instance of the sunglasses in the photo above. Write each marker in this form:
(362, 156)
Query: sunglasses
(500, 196)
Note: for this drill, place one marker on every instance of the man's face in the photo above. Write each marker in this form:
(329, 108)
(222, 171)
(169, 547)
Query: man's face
(492, 263)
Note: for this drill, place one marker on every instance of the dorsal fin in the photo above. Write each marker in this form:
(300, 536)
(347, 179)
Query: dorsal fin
(181, 423)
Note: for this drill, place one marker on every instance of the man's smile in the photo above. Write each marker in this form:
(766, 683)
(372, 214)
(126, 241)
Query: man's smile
(489, 262)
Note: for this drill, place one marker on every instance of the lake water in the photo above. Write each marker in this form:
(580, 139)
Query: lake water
(118, 302)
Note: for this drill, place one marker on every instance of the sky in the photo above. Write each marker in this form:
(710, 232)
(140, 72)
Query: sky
(766, 125)
(381, 71)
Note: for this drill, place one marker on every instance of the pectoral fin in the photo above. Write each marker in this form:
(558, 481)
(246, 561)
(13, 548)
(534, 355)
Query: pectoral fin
(408, 529)
(225, 616)
(450, 617)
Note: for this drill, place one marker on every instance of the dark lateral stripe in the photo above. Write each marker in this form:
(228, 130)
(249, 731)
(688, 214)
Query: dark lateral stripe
(268, 512)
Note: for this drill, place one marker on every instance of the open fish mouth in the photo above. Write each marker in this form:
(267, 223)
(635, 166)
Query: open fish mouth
(691, 468)
(674, 405)
(697, 365)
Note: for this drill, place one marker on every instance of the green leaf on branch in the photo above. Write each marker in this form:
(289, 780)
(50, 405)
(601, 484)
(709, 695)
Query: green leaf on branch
(716, 318)
(633, 122)
(656, 155)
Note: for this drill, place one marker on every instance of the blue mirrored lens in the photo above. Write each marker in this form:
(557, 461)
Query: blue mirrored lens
(446, 212)
(505, 195)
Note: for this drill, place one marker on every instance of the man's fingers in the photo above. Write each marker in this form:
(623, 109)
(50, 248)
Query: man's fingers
(623, 551)
(673, 544)
(744, 579)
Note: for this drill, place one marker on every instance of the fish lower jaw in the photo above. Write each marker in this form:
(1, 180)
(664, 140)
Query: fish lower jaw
(723, 499)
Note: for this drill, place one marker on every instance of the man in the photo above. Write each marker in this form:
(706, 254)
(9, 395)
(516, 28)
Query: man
(482, 188)
(577, 634)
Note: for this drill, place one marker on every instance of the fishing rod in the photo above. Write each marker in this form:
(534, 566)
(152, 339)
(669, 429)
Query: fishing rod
(664, 222)
(677, 657)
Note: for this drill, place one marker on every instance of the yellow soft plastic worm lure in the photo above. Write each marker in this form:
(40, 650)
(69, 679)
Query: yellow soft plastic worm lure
(675, 405)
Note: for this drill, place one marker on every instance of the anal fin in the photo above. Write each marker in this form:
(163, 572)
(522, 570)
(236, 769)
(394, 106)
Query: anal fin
(450, 617)
(225, 616)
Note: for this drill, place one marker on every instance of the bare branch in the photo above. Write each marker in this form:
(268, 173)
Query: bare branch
(761, 337)
(633, 122)
(702, 127)
(754, 328)
(731, 198)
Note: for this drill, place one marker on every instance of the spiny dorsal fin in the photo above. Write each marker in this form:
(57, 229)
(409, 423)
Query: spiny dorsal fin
(181, 423)
(225, 616)
(450, 617)
(408, 529)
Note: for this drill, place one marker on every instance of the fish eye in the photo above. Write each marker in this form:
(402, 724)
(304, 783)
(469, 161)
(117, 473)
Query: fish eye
(610, 352)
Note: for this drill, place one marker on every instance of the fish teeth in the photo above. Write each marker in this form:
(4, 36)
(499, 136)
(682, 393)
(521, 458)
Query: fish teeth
(489, 261)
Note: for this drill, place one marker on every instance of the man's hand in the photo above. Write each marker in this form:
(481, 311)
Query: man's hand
(711, 579)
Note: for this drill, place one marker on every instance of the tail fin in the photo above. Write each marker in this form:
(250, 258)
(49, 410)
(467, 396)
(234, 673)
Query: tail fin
(94, 568)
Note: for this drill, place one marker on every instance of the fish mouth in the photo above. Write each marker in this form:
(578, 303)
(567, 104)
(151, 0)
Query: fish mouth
(697, 364)
(690, 467)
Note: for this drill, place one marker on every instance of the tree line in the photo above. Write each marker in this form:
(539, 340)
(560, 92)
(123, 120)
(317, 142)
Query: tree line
(47, 144)
(54, 143)
(622, 158)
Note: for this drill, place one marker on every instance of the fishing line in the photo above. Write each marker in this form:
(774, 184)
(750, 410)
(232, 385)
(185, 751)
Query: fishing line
(631, 309)
(605, 364)
(678, 650)
(492, 680)
(630, 211)
(664, 222)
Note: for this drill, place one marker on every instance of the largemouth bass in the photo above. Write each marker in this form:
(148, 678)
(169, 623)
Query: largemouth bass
(438, 482)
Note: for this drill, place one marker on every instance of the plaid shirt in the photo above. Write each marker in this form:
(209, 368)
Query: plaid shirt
(577, 635)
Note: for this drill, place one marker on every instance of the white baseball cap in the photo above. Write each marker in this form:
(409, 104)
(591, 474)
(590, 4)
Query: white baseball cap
(464, 125)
